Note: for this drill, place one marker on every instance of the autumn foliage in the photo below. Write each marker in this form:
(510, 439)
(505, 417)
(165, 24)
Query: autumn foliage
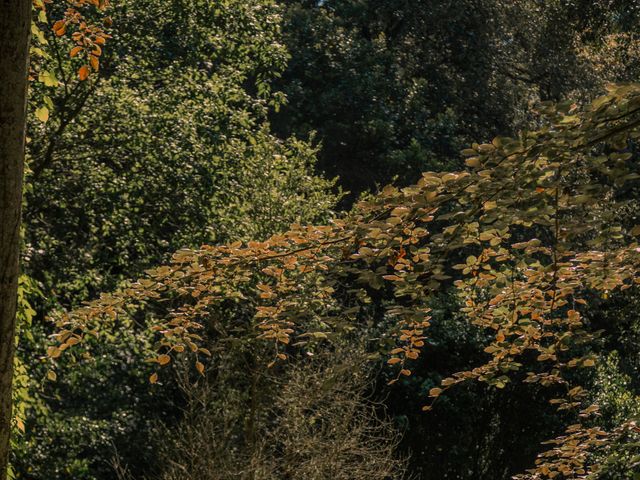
(528, 235)
(89, 37)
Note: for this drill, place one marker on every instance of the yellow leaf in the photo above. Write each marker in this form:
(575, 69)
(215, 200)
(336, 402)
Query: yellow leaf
(473, 162)
(486, 148)
(53, 352)
(153, 378)
(20, 424)
(51, 375)
(393, 278)
(200, 367)
(49, 79)
(434, 392)
(393, 361)
(163, 359)
(42, 114)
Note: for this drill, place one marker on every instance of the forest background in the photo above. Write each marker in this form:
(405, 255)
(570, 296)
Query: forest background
(211, 122)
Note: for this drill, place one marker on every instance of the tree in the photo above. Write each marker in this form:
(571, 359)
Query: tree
(170, 149)
(303, 285)
(527, 236)
(317, 422)
(15, 28)
(394, 88)
(15, 35)
(166, 146)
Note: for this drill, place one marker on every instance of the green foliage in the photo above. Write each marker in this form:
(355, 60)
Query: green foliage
(536, 219)
(168, 147)
(475, 432)
(614, 391)
(27, 398)
(396, 88)
(159, 155)
(96, 409)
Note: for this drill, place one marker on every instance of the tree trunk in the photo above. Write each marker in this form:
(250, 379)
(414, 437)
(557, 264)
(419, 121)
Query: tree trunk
(15, 28)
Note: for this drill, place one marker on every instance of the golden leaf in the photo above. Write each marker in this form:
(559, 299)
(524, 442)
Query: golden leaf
(200, 367)
(163, 359)
(434, 392)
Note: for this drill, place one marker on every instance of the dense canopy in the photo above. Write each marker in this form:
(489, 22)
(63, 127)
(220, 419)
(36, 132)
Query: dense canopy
(280, 239)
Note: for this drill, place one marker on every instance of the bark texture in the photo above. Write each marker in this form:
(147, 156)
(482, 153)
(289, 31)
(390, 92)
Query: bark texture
(15, 27)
